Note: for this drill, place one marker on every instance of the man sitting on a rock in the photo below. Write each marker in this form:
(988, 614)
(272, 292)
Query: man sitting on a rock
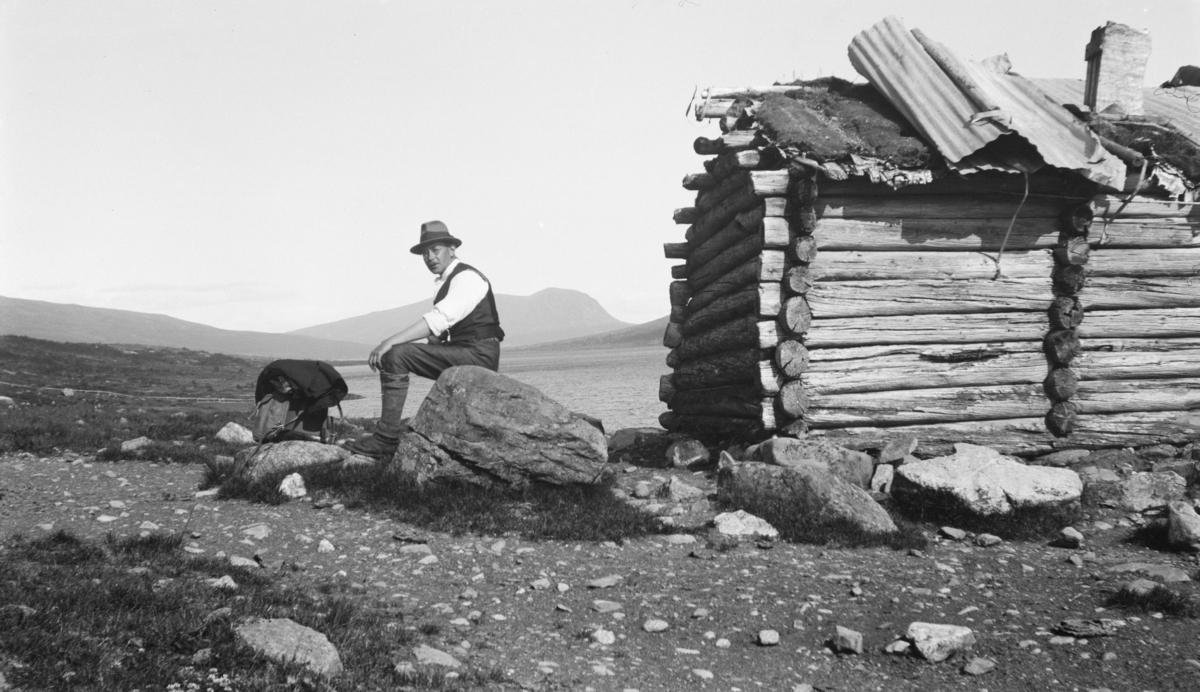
(463, 329)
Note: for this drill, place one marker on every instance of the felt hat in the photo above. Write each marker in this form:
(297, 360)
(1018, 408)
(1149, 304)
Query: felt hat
(434, 232)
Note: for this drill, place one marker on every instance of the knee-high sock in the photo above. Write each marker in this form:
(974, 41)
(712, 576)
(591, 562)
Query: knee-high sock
(394, 387)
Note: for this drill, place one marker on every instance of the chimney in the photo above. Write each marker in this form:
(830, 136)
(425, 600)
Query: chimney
(1116, 58)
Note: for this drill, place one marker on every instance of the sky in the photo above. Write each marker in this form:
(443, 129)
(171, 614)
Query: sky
(263, 165)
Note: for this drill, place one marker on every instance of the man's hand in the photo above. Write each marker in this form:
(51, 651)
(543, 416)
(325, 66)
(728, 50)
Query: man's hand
(375, 360)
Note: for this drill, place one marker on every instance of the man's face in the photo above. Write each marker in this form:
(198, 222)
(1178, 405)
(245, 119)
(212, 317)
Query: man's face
(438, 256)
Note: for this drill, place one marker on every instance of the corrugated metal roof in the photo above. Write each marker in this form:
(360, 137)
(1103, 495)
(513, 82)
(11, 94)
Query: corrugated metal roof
(896, 63)
(1183, 114)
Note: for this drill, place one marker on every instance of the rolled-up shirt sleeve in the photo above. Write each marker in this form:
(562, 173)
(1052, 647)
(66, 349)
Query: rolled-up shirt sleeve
(467, 288)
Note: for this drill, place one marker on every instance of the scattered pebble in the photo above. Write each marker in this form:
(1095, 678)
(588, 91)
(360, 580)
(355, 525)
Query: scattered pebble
(768, 638)
(655, 625)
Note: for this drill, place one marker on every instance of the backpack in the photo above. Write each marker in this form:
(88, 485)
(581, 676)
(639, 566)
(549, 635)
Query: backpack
(294, 397)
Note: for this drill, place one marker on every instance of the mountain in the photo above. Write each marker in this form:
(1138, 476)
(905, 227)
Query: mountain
(552, 314)
(80, 324)
(642, 335)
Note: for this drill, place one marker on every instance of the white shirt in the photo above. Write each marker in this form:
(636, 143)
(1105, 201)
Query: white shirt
(466, 291)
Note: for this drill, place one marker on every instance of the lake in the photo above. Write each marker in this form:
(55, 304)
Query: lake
(619, 386)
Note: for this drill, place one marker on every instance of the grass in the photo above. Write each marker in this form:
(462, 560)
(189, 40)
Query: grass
(129, 614)
(1023, 523)
(1160, 599)
(804, 527)
(537, 512)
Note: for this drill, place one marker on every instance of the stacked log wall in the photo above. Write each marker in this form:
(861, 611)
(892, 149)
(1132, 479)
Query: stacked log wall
(728, 293)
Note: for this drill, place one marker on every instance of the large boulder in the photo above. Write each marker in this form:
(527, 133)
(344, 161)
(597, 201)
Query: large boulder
(507, 431)
(1183, 526)
(811, 490)
(290, 455)
(284, 640)
(986, 481)
(848, 464)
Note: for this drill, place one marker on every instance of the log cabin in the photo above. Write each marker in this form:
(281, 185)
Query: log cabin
(949, 250)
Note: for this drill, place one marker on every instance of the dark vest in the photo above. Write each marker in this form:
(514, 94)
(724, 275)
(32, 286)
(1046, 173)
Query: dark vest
(481, 323)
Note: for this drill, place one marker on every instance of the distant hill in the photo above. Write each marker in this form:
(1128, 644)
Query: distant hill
(81, 324)
(637, 336)
(552, 314)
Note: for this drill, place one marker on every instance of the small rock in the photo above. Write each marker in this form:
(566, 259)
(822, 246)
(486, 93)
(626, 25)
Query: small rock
(601, 606)
(655, 625)
(642, 490)
(1183, 526)
(722, 643)
(898, 647)
(1140, 587)
(106, 518)
(235, 434)
(700, 613)
(768, 638)
(325, 546)
(225, 582)
(881, 479)
(603, 636)
(953, 533)
(135, 444)
(897, 448)
(540, 584)
(435, 657)
(939, 642)
(702, 673)
(1069, 538)
(686, 452)
(742, 523)
(1166, 573)
(605, 582)
(681, 539)
(238, 561)
(428, 560)
(257, 531)
(979, 666)
(1060, 640)
(987, 540)
(676, 490)
(292, 487)
(848, 641)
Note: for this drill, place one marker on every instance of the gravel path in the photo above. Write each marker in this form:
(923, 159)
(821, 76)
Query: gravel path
(527, 607)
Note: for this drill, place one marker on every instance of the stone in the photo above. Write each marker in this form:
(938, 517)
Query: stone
(503, 431)
(938, 642)
(953, 533)
(226, 583)
(289, 455)
(896, 448)
(846, 640)
(987, 540)
(238, 561)
(1184, 468)
(1069, 538)
(726, 460)
(135, 444)
(979, 666)
(742, 523)
(655, 625)
(602, 606)
(1066, 457)
(687, 452)
(257, 531)
(676, 490)
(7, 401)
(680, 538)
(1165, 573)
(603, 636)
(642, 490)
(898, 647)
(811, 490)
(851, 466)
(1148, 490)
(1140, 587)
(986, 481)
(881, 482)
(430, 656)
(284, 640)
(702, 673)
(235, 434)
(292, 487)
(606, 582)
(630, 437)
(1183, 526)
(325, 546)
(768, 638)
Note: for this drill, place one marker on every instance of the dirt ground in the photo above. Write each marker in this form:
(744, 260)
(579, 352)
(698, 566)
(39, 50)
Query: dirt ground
(527, 607)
